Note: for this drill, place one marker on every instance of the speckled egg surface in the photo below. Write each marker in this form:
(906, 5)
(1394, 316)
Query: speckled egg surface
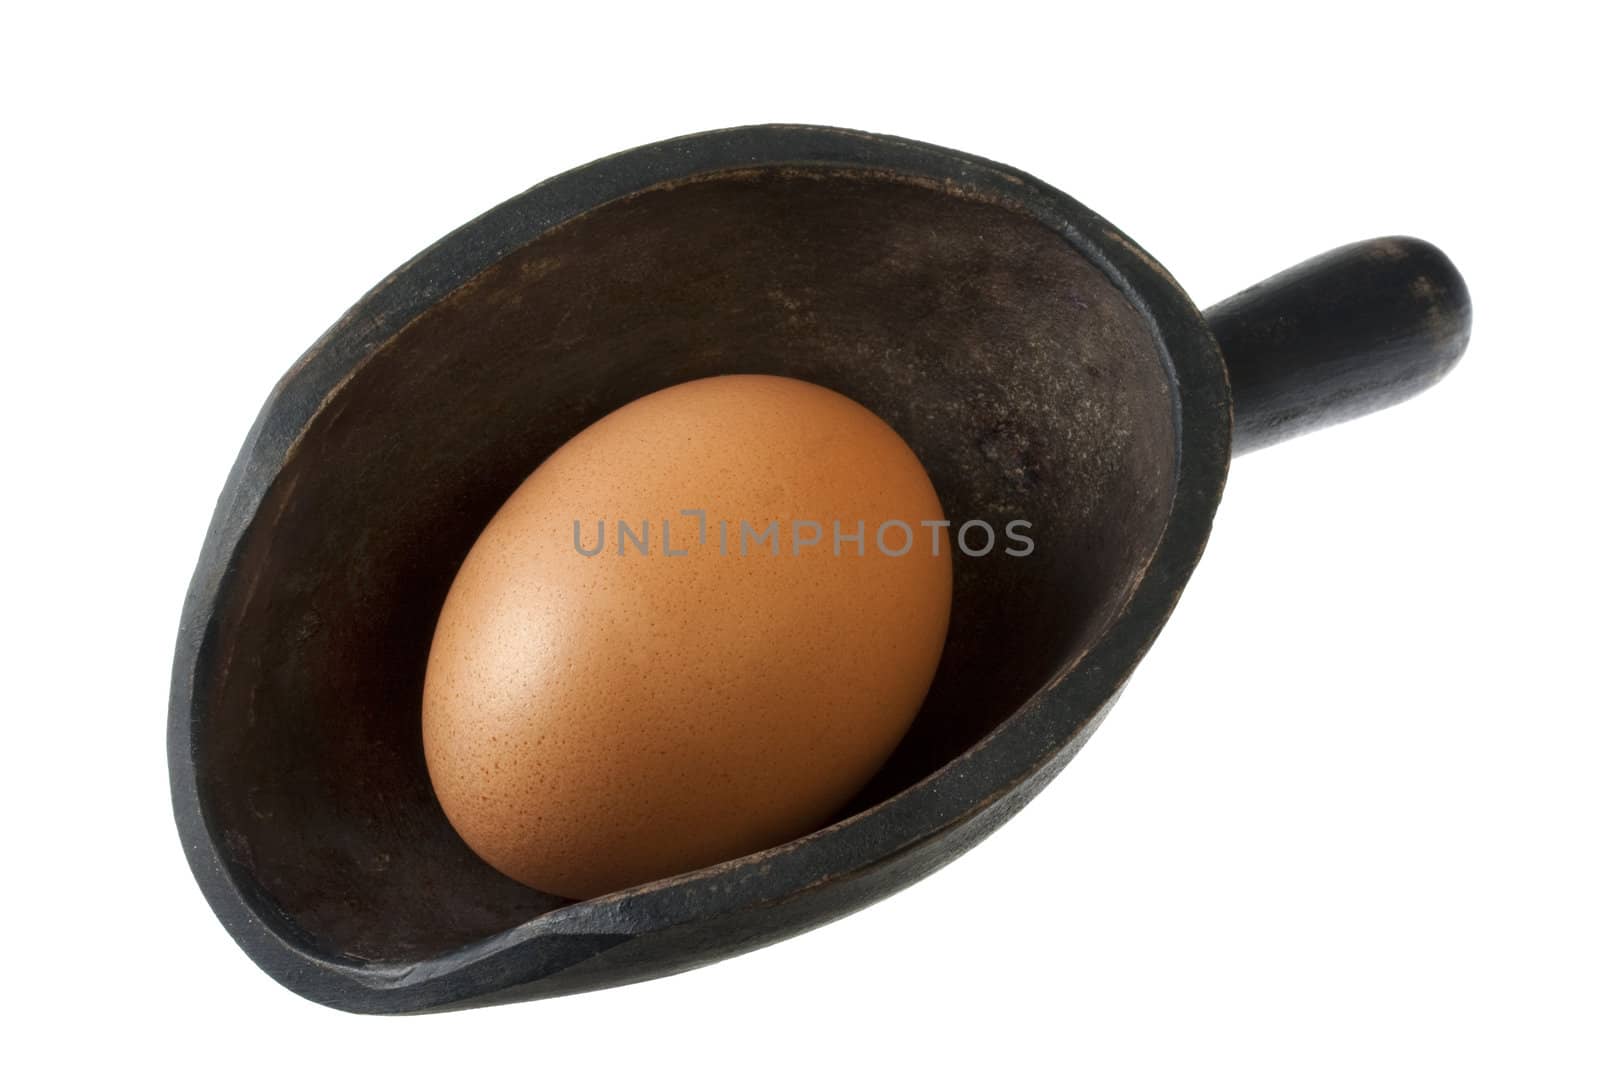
(694, 632)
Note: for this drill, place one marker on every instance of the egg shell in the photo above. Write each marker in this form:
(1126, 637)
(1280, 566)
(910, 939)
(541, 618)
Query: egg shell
(602, 713)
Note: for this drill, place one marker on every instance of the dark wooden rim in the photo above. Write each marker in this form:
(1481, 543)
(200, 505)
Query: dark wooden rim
(1055, 719)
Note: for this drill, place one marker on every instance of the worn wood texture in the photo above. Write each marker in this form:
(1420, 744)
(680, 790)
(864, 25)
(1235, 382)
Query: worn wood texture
(1339, 336)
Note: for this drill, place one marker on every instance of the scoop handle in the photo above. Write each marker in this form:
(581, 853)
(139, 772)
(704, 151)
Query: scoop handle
(1341, 335)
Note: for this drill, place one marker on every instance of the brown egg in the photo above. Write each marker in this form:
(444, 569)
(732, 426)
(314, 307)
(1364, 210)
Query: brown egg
(609, 704)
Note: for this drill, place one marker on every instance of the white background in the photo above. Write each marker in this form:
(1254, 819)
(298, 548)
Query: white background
(1346, 811)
